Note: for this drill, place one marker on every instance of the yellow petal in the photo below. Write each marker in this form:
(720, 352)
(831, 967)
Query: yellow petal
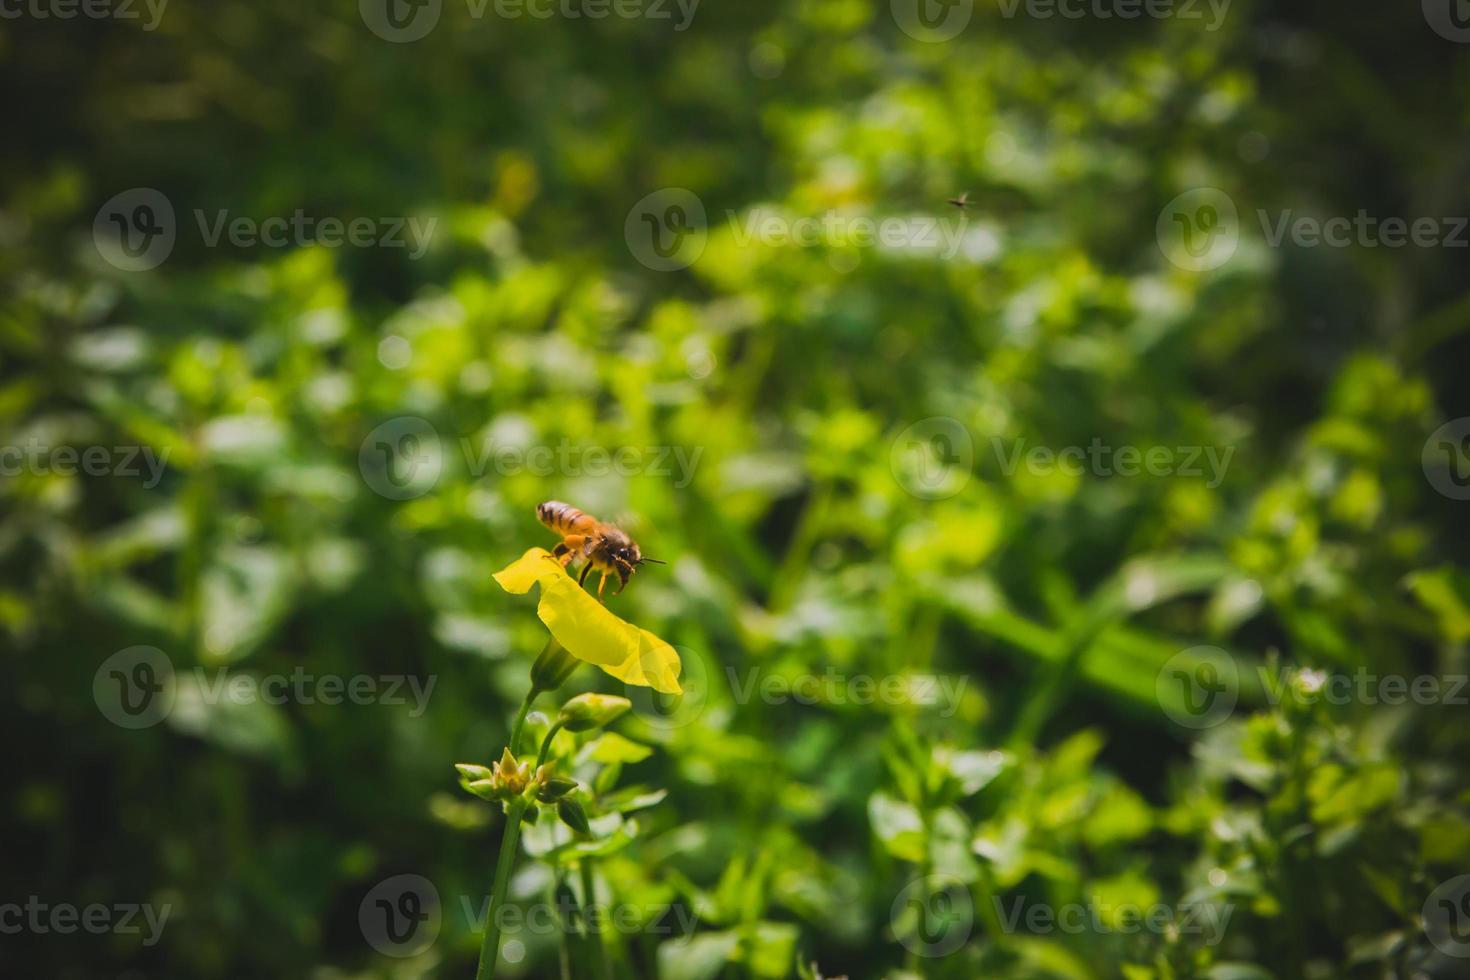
(534, 566)
(588, 630)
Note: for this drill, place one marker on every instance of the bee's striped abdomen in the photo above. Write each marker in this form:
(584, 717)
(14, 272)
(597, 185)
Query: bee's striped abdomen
(564, 518)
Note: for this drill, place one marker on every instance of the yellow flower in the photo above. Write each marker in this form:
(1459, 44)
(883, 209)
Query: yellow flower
(587, 629)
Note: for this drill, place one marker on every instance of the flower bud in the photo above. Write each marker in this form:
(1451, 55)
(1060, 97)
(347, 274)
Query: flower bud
(509, 777)
(573, 815)
(552, 667)
(478, 781)
(588, 711)
(555, 788)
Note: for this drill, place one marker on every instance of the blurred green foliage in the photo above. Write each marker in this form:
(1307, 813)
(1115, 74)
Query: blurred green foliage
(1050, 601)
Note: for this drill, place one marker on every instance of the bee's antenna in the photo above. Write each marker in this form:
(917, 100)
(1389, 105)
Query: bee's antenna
(652, 561)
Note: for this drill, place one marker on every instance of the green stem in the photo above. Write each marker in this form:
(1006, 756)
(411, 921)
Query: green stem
(546, 746)
(515, 732)
(589, 899)
(506, 859)
(490, 945)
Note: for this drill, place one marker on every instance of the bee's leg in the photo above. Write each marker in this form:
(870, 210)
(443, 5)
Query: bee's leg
(600, 583)
(585, 569)
(567, 550)
(624, 573)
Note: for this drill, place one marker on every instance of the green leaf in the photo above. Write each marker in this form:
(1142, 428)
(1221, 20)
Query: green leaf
(769, 949)
(700, 958)
(975, 770)
(898, 826)
(633, 798)
(1238, 971)
(611, 747)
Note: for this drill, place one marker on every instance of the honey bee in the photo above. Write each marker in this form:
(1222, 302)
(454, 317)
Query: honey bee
(605, 547)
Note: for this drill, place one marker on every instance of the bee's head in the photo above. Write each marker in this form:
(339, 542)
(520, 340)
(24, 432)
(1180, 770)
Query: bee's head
(624, 555)
(627, 557)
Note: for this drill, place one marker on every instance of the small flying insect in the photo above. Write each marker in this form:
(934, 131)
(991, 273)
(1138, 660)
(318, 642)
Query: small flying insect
(961, 202)
(604, 546)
